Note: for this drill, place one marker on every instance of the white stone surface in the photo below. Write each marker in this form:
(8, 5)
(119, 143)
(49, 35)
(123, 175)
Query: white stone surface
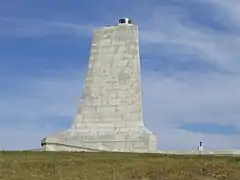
(109, 117)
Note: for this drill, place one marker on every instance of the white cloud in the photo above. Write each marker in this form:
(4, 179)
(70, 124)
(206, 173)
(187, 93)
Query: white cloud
(169, 28)
(214, 99)
(33, 27)
(230, 7)
(40, 97)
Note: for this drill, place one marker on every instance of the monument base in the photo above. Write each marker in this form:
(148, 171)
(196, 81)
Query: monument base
(122, 140)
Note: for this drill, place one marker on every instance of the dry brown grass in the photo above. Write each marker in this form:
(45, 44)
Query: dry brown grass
(115, 166)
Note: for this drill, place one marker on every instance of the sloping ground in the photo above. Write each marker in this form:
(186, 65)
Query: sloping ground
(115, 166)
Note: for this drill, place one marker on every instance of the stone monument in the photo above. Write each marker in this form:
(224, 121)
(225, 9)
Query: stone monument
(109, 117)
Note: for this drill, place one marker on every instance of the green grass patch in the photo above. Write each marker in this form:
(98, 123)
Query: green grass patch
(115, 166)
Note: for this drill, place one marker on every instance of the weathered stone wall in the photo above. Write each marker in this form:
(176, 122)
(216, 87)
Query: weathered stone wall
(110, 113)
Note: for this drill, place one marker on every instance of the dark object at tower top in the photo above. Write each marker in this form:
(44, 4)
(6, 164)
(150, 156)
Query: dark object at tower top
(124, 21)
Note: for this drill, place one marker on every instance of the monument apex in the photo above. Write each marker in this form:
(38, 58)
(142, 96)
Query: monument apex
(109, 117)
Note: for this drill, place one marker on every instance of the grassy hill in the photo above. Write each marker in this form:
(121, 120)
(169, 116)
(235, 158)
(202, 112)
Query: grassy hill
(115, 166)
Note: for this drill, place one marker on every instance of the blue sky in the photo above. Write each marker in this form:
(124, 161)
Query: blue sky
(190, 67)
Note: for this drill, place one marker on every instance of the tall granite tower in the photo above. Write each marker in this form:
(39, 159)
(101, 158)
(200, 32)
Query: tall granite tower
(109, 117)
